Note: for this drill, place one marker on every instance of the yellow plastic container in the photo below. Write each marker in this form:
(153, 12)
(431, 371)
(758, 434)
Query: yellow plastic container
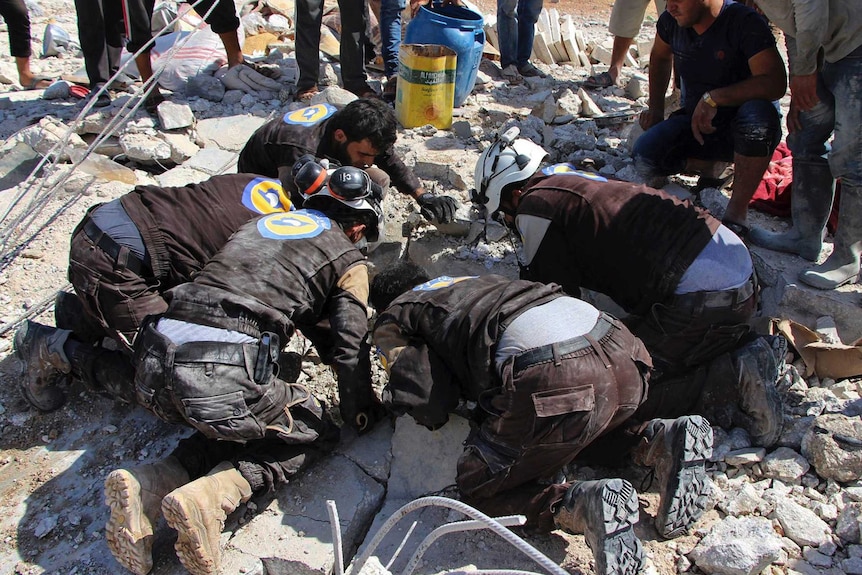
(426, 85)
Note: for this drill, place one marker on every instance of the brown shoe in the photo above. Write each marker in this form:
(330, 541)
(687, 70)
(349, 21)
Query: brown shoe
(40, 348)
(198, 511)
(135, 498)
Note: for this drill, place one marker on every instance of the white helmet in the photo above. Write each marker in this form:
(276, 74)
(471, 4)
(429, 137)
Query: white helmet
(349, 196)
(509, 159)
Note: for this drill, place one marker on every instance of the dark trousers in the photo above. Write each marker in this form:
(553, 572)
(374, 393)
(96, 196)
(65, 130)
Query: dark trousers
(309, 15)
(115, 296)
(100, 31)
(17, 19)
(543, 416)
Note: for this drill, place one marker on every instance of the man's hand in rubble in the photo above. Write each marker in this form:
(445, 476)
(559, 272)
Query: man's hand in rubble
(247, 79)
(437, 209)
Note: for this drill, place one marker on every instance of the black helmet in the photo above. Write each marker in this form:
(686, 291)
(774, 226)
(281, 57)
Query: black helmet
(347, 199)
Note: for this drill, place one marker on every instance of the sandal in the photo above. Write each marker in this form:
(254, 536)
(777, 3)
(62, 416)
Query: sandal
(602, 80)
(740, 230)
(306, 94)
(34, 85)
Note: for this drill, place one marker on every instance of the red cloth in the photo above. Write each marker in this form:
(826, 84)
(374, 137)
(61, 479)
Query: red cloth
(773, 193)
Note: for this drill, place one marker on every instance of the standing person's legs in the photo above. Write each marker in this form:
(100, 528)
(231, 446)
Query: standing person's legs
(624, 25)
(507, 31)
(352, 51)
(14, 12)
(308, 17)
(390, 40)
(528, 15)
(224, 22)
(92, 35)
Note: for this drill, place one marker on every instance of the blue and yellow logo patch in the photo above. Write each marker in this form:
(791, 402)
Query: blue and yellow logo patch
(296, 225)
(441, 282)
(266, 196)
(309, 115)
(570, 170)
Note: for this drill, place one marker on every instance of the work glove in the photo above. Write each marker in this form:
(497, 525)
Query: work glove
(246, 79)
(437, 209)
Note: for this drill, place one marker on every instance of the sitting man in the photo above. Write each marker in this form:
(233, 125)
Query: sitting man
(730, 71)
(687, 281)
(209, 361)
(550, 374)
(360, 134)
(124, 255)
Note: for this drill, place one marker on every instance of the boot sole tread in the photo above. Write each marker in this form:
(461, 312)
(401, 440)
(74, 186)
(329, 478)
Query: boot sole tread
(191, 548)
(131, 547)
(686, 494)
(616, 548)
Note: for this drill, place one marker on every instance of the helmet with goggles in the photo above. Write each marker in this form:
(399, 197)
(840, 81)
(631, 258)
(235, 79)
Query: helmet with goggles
(509, 159)
(348, 197)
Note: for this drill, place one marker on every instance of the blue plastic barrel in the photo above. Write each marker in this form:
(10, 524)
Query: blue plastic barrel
(458, 28)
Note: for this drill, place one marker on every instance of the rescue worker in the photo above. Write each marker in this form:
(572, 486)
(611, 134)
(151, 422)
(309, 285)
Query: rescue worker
(209, 361)
(361, 134)
(686, 280)
(550, 374)
(124, 255)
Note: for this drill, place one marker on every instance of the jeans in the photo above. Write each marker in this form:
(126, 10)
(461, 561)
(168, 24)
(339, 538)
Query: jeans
(753, 129)
(516, 27)
(839, 87)
(390, 34)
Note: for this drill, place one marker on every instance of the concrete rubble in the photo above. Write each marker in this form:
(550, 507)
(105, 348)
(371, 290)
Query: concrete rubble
(795, 508)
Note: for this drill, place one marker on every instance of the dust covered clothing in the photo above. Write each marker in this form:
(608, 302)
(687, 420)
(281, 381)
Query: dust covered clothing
(180, 229)
(282, 141)
(276, 274)
(546, 403)
(634, 244)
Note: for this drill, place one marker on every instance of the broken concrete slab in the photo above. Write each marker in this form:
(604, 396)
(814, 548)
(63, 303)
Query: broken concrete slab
(173, 116)
(16, 164)
(294, 525)
(145, 148)
(227, 133)
(181, 176)
(213, 161)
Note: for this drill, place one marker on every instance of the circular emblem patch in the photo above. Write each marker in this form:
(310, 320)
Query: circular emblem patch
(570, 170)
(265, 196)
(310, 115)
(296, 225)
(441, 282)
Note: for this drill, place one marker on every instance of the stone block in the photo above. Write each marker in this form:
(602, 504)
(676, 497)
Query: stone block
(227, 133)
(173, 116)
(213, 161)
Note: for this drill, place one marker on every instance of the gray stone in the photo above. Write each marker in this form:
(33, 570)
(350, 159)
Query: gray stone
(16, 163)
(205, 86)
(372, 452)
(462, 129)
(852, 566)
(745, 456)
(144, 148)
(232, 97)
(847, 524)
(744, 500)
(738, 546)
(784, 464)
(569, 103)
(181, 176)
(832, 446)
(637, 87)
(59, 90)
(213, 161)
(46, 136)
(335, 96)
(816, 558)
(248, 100)
(588, 107)
(794, 430)
(181, 147)
(800, 524)
(173, 116)
(228, 133)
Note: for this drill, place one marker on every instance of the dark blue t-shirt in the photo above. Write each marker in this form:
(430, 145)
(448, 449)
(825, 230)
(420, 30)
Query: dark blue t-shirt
(720, 56)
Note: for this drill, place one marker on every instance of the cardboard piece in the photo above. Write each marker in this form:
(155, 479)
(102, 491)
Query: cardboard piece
(834, 360)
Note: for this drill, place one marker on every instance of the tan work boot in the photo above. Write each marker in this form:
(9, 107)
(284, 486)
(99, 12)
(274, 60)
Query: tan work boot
(198, 511)
(135, 498)
(605, 511)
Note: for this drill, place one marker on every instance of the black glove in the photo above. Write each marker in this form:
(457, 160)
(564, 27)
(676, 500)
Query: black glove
(438, 209)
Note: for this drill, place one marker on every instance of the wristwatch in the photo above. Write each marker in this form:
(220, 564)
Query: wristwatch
(708, 99)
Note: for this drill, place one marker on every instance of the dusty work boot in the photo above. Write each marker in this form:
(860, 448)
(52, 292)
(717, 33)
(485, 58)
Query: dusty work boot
(842, 266)
(40, 347)
(198, 511)
(677, 450)
(811, 203)
(605, 511)
(757, 371)
(135, 498)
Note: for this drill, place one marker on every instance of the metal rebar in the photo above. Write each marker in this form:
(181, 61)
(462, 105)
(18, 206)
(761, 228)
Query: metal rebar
(338, 568)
